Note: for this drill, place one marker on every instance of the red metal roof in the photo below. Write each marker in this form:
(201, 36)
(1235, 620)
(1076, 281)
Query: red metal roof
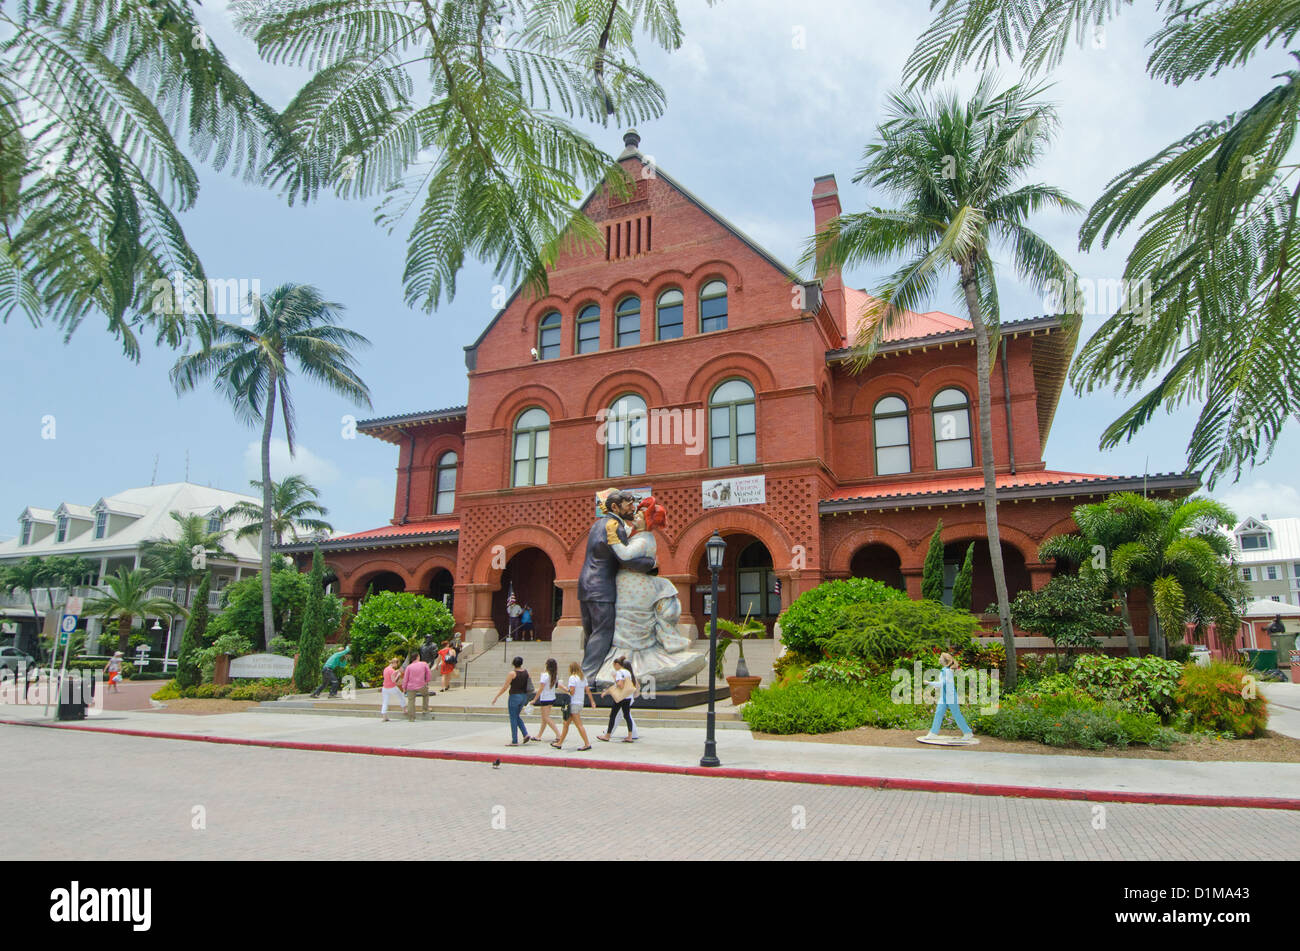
(912, 326)
(400, 531)
(968, 483)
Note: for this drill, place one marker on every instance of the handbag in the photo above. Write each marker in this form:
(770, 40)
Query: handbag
(621, 690)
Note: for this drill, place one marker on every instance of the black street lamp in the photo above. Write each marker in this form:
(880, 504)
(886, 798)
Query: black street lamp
(716, 549)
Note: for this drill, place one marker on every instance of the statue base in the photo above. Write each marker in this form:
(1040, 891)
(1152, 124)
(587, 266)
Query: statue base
(947, 741)
(678, 698)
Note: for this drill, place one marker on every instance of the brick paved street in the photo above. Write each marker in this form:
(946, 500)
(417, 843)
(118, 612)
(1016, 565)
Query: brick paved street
(273, 804)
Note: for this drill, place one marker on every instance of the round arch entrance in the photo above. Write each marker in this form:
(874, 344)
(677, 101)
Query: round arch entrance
(384, 581)
(983, 592)
(746, 583)
(879, 563)
(442, 587)
(531, 575)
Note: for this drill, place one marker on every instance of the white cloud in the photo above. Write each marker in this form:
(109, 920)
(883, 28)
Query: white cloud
(315, 469)
(1274, 499)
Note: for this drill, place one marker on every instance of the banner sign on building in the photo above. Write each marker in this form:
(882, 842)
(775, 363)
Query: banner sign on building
(749, 490)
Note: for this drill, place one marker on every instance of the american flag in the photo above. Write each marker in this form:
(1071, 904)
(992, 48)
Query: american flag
(510, 600)
(776, 585)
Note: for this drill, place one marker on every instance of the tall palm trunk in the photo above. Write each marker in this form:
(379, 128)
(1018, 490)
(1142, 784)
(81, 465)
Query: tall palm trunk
(268, 623)
(124, 633)
(1155, 636)
(968, 283)
(1128, 624)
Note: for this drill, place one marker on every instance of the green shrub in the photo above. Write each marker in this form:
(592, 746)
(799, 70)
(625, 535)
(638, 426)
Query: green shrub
(1138, 684)
(169, 691)
(1180, 652)
(1034, 667)
(827, 708)
(259, 692)
(790, 667)
(815, 615)
(884, 632)
(233, 644)
(1219, 698)
(1071, 718)
(841, 670)
(388, 618)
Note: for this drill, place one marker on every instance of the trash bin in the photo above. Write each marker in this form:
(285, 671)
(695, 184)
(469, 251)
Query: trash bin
(1284, 644)
(75, 691)
(1261, 659)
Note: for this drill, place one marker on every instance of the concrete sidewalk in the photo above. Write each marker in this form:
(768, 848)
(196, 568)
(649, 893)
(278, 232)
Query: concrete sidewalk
(680, 749)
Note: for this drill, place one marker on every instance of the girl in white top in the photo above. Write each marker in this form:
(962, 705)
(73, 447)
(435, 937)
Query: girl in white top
(578, 690)
(622, 692)
(546, 698)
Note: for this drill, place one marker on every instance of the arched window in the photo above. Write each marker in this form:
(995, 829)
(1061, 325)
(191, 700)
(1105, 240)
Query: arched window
(444, 500)
(625, 437)
(713, 306)
(548, 337)
(532, 447)
(733, 439)
(669, 314)
(951, 416)
(627, 322)
(588, 340)
(893, 445)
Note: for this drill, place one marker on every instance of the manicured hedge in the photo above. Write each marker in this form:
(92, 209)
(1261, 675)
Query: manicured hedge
(817, 614)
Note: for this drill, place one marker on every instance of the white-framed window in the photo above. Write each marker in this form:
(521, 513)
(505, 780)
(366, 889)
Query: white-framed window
(101, 524)
(532, 447)
(27, 532)
(1245, 575)
(625, 437)
(893, 441)
(1272, 572)
(1255, 541)
(445, 501)
(214, 524)
(733, 425)
(63, 528)
(950, 413)
(1295, 567)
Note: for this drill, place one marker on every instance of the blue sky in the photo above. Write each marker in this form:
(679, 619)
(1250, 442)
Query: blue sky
(758, 104)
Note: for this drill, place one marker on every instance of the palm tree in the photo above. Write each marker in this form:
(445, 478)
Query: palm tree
(183, 560)
(93, 97)
(1217, 265)
(127, 598)
(1175, 552)
(293, 507)
(250, 366)
(458, 112)
(64, 571)
(26, 575)
(956, 169)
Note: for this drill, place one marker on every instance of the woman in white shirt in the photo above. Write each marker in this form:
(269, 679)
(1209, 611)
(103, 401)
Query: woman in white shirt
(546, 698)
(578, 689)
(622, 692)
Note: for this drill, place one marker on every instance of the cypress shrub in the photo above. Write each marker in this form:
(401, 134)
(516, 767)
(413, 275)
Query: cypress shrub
(311, 643)
(932, 574)
(961, 588)
(187, 667)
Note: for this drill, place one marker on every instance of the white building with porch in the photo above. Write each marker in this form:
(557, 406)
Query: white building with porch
(112, 534)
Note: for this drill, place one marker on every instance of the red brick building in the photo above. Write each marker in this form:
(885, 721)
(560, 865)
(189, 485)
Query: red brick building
(680, 356)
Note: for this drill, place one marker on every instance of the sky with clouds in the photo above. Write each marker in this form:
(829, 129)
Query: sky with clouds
(763, 96)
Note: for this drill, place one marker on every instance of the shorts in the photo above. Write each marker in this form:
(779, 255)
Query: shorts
(544, 703)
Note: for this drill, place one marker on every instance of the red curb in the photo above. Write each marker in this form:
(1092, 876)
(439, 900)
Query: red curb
(726, 772)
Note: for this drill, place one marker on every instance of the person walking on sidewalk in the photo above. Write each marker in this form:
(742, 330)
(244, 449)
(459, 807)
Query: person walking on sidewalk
(392, 686)
(447, 664)
(578, 687)
(113, 671)
(948, 700)
(621, 692)
(520, 685)
(415, 681)
(546, 698)
(330, 672)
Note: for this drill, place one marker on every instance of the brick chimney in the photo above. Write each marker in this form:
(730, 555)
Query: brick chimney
(826, 208)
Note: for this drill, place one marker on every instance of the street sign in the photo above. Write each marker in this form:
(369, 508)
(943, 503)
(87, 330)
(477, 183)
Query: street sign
(73, 606)
(67, 624)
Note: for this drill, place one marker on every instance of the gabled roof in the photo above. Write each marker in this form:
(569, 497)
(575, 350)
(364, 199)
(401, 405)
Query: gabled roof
(632, 140)
(155, 503)
(73, 510)
(389, 428)
(1285, 546)
(1251, 524)
(37, 515)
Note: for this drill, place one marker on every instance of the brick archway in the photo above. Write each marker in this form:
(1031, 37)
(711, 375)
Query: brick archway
(842, 556)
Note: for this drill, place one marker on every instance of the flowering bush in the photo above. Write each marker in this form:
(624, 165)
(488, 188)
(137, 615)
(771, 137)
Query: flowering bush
(1222, 697)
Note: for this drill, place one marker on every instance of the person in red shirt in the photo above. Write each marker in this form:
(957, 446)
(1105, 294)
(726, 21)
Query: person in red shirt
(446, 663)
(416, 683)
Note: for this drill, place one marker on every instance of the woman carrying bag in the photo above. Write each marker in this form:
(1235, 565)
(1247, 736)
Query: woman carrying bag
(621, 691)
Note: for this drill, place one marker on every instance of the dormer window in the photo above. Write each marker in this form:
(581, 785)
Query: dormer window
(101, 524)
(1254, 541)
(214, 523)
(27, 532)
(63, 529)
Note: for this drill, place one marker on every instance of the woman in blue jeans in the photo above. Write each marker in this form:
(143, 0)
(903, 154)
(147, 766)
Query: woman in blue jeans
(517, 682)
(948, 700)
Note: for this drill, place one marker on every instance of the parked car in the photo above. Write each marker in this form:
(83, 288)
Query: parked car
(12, 658)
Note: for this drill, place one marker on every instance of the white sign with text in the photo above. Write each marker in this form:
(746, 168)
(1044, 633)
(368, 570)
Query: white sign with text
(262, 665)
(749, 490)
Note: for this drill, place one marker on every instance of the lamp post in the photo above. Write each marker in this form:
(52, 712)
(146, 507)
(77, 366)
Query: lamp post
(716, 549)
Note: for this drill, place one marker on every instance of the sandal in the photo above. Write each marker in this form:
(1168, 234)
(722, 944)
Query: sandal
(583, 749)
(630, 739)
(557, 746)
(603, 739)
